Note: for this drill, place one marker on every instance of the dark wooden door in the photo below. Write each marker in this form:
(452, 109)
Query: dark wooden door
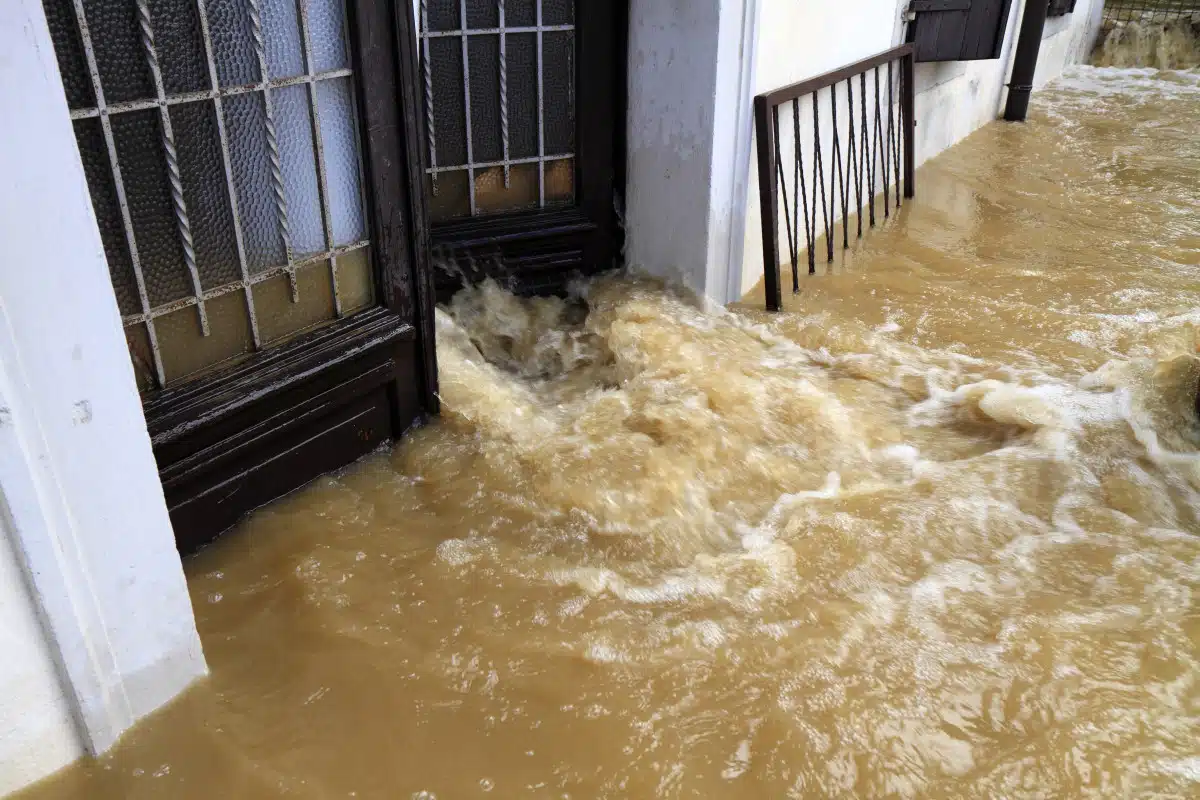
(523, 122)
(256, 175)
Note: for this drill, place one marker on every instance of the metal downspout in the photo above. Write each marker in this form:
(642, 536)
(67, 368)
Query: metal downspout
(1020, 86)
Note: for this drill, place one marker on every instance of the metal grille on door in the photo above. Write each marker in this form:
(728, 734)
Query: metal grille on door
(500, 105)
(220, 146)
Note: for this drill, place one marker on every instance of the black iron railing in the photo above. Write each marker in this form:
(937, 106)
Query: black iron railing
(870, 153)
(1149, 10)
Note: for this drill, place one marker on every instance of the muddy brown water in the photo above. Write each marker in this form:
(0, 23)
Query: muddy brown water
(933, 532)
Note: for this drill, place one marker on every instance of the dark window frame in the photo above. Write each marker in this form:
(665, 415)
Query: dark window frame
(245, 434)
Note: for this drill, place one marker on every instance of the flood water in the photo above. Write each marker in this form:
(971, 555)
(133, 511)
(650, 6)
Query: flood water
(933, 532)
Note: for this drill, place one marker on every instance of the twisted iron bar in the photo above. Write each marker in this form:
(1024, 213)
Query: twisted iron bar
(260, 49)
(174, 175)
(504, 93)
(428, 70)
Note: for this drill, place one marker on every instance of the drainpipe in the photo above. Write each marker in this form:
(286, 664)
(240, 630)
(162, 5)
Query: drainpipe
(1033, 23)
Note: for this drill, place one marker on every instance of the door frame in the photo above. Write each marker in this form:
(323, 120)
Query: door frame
(539, 251)
(248, 433)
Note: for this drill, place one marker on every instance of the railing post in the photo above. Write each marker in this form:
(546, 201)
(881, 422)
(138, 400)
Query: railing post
(768, 199)
(908, 99)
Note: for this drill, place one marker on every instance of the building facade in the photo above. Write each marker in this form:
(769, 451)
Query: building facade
(229, 222)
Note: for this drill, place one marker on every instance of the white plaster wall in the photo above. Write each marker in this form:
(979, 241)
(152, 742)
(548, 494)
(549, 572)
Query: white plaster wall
(37, 732)
(84, 507)
(803, 38)
(690, 65)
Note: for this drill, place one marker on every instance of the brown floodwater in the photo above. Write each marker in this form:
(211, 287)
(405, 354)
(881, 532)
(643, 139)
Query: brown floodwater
(932, 532)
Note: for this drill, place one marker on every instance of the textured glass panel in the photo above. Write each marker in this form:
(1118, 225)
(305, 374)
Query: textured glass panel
(484, 53)
(64, 30)
(522, 95)
(204, 189)
(155, 229)
(281, 32)
(443, 15)
(142, 356)
(342, 178)
(520, 12)
(560, 181)
(233, 42)
(558, 12)
(558, 91)
(326, 23)
(179, 45)
(246, 123)
(483, 14)
(186, 352)
(450, 128)
(120, 56)
(356, 284)
(452, 199)
(491, 197)
(96, 166)
(278, 317)
(294, 128)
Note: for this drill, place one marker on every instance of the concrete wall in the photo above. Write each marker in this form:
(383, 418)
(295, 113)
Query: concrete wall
(688, 218)
(113, 637)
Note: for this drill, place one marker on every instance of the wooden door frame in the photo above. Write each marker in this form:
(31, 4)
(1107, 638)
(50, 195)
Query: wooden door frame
(246, 434)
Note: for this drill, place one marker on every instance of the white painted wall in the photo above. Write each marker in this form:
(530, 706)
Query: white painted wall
(37, 732)
(687, 218)
(83, 511)
(802, 38)
(690, 65)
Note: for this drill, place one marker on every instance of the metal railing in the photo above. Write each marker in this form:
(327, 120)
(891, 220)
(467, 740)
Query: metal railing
(1149, 10)
(878, 154)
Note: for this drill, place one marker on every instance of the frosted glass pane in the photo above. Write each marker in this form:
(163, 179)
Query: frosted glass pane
(522, 95)
(356, 284)
(449, 119)
(294, 129)
(281, 32)
(520, 12)
(558, 86)
(560, 181)
(68, 47)
(558, 12)
(138, 340)
(278, 317)
(94, 153)
(485, 98)
(233, 42)
(443, 15)
(117, 43)
(492, 197)
(185, 351)
(246, 123)
(326, 21)
(342, 178)
(179, 45)
(452, 198)
(204, 189)
(483, 14)
(155, 230)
